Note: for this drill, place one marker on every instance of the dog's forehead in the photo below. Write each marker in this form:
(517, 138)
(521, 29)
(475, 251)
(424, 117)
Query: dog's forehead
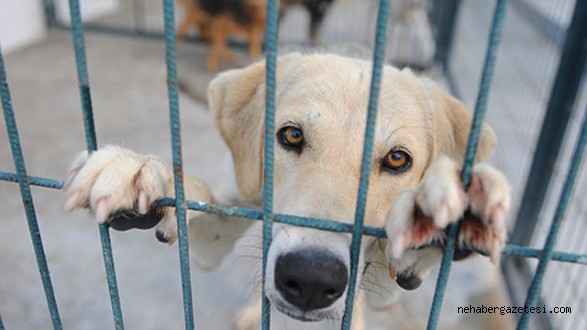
(335, 89)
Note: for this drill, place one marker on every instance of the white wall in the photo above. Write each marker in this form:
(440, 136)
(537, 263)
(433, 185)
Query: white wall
(21, 22)
(90, 9)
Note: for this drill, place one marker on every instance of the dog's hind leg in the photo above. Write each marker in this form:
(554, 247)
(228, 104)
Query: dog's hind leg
(191, 19)
(219, 36)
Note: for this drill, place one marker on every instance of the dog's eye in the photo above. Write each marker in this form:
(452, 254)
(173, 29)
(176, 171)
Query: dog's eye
(291, 137)
(397, 161)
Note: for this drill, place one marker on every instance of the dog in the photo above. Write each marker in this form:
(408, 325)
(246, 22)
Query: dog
(218, 20)
(415, 189)
(316, 9)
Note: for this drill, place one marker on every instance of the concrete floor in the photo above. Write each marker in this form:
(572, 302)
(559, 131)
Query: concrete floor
(130, 103)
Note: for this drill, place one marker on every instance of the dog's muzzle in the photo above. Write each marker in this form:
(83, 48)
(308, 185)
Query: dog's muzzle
(310, 279)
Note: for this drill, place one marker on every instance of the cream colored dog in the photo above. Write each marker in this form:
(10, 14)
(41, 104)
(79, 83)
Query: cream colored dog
(414, 192)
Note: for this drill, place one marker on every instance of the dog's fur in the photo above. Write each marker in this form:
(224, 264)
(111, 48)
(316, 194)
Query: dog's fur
(325, 96)
(218, 20)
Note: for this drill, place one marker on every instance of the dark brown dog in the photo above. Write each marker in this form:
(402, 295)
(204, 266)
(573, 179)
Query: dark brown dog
(317, 10)
(218, 20)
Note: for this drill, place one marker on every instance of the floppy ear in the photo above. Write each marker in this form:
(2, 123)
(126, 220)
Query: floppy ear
(237, 102)
(452, 124)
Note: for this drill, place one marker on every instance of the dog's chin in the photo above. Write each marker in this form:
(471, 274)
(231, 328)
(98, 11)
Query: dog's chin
(304, 316)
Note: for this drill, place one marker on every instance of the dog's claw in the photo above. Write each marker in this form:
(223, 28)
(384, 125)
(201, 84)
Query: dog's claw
(102, 210)
(441, 216)
(73, 201)
(397, 245)
(143, 202)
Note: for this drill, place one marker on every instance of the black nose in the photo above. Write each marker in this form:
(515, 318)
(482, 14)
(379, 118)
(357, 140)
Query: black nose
(310, 279)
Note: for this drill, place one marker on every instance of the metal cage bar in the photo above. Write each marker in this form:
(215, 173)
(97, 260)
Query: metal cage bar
(77, 33)
(445, 14)
(480, 107)
(319, 224)
(180, 205)
(27, 198)
(271, 30)
(378, 60)
(569, 185)
(554, 126)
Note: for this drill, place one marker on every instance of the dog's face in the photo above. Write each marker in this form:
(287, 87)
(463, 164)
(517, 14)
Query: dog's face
(321, 104)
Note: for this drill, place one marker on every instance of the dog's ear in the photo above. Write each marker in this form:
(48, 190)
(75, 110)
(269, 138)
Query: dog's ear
(237, 102)
(451, 122)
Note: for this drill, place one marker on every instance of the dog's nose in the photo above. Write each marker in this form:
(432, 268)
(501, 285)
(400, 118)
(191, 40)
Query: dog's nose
(310, 279)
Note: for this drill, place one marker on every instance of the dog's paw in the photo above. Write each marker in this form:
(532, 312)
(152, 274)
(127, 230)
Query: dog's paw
(249, 317)
(119, 187)
(483, 229)
(419, 217)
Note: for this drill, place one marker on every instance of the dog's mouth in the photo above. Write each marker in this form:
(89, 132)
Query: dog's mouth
(304, 316)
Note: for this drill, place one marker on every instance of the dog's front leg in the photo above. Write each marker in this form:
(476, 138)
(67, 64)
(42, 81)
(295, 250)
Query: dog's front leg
(249, 316)
(419, 217)
(121, 188)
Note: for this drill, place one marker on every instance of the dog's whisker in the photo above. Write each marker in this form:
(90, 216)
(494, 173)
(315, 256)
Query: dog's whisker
(253, 285)
(244, 258)
(256, 246)
(369, 290)
(378, 264)
(371, 284)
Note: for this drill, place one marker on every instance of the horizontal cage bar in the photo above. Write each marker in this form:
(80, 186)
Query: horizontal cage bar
(320, 224)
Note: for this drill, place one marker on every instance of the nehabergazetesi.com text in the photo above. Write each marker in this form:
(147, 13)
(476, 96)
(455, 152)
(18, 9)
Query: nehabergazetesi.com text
(512, 310)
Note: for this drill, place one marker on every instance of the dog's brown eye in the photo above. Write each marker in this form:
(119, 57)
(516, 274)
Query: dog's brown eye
(291, 137)
(397, 161)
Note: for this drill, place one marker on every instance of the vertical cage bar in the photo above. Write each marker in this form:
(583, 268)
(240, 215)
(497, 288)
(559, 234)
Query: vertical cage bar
(1, 324)
(480, 107)
(534, 290)
(180, 205)
(77, 33)
(447, 12)
(27, 198)
(378, 61)
(270, 71)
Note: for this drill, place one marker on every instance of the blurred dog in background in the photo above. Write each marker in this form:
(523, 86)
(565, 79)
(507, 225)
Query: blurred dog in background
(219, 20)
(316, 9)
